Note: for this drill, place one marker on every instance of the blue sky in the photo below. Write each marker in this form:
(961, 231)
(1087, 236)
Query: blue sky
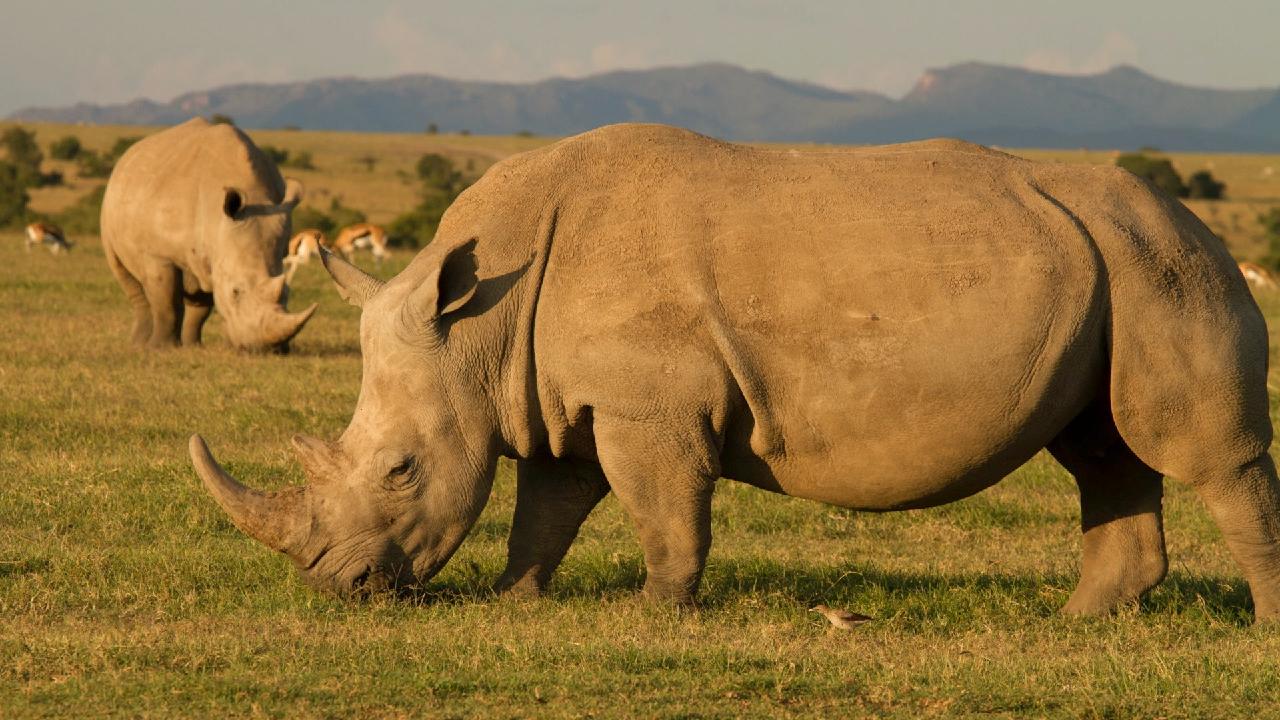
(55, 52)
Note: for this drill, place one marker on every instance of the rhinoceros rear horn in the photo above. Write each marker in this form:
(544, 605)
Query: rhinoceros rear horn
(275, 519)
(354, 285)
(272, 289)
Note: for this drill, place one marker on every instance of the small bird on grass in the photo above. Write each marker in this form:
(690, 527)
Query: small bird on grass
(841, 619)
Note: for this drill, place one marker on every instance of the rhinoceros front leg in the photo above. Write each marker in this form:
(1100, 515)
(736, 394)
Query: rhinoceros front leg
(161, 281)
(664, 477)
(1120, 514)
(196, 307)
(553, 498)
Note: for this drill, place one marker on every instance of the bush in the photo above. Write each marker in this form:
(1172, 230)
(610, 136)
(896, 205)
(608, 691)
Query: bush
(441, 185)
(1270, 221)
(13, 195)
(82, 217)
(307, 216)
(65, 149)
(279, 156)
(1158, 171)
(120, 146)
(25, 156)
(93, 165)
(1203, 186)
(438, 174)
(329, 223)
(417, 227)
(301, 161)
(221, 119)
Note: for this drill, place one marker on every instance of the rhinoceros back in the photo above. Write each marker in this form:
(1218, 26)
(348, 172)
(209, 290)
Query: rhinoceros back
(166, 188)
(831, 314)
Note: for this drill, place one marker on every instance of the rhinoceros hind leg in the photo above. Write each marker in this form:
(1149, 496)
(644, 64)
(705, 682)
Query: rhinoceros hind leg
(553, 498)
(137, 297)
(1120, 515)
(1190, 399)
(1245, 503)
(664, 479)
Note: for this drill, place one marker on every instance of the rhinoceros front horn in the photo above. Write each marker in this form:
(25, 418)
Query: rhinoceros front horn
(280, 327)
(275, 519)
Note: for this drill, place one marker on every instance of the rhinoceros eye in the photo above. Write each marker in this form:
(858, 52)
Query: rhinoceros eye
(401, 474)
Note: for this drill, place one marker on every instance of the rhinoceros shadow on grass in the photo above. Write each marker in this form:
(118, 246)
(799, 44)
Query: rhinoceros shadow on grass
(643, 311)
(727, 582)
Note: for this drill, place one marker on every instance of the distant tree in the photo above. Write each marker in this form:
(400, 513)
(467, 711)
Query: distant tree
(24, 154)
(1159, 171)
(290, 128)
(437, 173)
(524, 134)
(93, 165)
(432, 128)
(1202, 186)
(221, 119)
(277, 155)
(1270, 222)
(329, 223)
(13, 195)
(301, 161)
(441, 184)
(82, 216)
(464, 131)
(66, 148)
(120, 146)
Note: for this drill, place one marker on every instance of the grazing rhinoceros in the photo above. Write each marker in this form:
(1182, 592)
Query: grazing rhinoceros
(195, 216)
(644, 310)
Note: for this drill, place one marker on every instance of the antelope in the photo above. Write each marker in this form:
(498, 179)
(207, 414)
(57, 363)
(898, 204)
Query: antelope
(361, 235)
(301, 248)
(1257, 276)
(48, 234)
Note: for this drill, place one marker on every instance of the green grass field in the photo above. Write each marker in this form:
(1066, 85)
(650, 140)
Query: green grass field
(125, 591)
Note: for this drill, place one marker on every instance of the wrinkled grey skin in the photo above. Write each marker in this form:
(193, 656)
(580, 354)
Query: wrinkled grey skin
(641, 310)
(193, 217)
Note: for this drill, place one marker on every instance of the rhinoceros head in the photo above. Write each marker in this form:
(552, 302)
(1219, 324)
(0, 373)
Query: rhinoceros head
(389, 502)
(249, 288)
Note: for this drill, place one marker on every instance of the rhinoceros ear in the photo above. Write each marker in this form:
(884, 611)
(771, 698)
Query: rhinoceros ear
(292, 194)
(232, 203)
(449, 286)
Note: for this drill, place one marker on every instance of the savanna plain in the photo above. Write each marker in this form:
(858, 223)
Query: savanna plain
(125, 591)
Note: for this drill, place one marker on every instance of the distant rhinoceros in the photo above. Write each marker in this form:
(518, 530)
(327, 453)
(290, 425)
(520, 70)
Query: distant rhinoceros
(644, 310)
(195, 216)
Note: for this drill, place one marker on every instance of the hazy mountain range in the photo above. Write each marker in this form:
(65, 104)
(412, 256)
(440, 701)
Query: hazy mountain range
(1121, 108)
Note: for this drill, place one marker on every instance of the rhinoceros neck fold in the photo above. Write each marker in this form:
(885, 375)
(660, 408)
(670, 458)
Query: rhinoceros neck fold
(523, 427)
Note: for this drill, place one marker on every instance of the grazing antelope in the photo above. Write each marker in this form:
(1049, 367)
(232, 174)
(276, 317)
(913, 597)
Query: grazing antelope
(1257, 276)
(361, 235)
(49, 235)
(301, 248)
